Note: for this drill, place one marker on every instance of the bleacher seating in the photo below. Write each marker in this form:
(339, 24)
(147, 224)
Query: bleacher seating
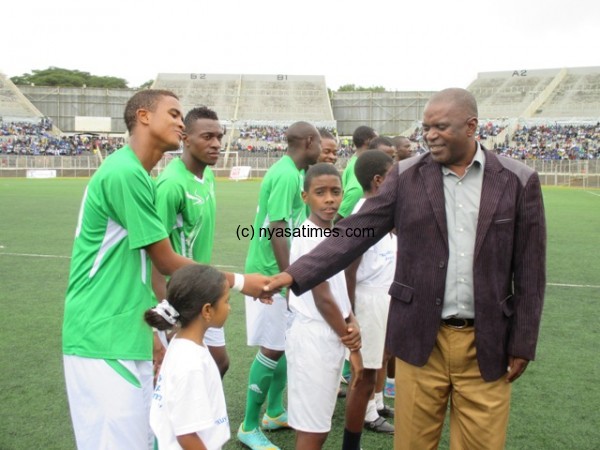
(508, 94)
(13, 104)
(531, 94)
(577, 96)
(276, 98)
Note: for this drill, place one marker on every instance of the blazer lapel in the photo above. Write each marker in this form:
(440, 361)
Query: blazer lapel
(434, 185)
(494, 181)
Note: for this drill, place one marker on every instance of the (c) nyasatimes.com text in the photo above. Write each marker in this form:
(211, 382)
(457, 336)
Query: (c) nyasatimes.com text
(248, 232)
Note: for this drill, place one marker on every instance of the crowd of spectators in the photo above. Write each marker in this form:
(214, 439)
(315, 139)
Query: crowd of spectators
(554, 142)
(546, 142)
(29, 138)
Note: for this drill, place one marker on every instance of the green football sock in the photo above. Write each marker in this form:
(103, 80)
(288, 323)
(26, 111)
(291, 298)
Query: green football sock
(259, 380)
(275, 396)
(346, 371)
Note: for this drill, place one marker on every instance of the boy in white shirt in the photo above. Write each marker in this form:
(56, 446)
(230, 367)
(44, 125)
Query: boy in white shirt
(323, 324)
(369, 279)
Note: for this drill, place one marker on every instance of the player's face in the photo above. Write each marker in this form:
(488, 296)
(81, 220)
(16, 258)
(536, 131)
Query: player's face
(403, 150)
(165, 123)
(203, 141)
(313, 148)
(323, 198)
(221, 309)
(328, 151)
(447, 132)
(387, 149)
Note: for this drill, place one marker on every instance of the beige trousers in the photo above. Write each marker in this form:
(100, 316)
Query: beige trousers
(478, 409)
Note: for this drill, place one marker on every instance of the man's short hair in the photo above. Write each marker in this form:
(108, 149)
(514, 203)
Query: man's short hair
(326, 134)
(362, 135)
(381, 140)
(369, 164)
(317, 170)
(144, 99)
(397, 140)
(201, 112)
(297, 132)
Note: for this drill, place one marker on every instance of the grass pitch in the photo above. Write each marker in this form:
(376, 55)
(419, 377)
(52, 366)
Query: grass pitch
(554, 405)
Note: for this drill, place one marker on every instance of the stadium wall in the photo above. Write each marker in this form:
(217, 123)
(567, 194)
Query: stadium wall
(64, 104)
(390, 113)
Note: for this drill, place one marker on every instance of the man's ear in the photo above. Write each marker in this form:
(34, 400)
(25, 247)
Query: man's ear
(143, 116)
(472, 126)
(304, 196)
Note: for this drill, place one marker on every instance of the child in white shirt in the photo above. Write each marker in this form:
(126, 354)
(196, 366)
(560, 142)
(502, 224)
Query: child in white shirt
(188, 406)
(323, 325)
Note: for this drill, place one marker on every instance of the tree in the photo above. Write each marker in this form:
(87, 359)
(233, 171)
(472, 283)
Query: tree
(56, 76)
(147, 84)
(353, 88)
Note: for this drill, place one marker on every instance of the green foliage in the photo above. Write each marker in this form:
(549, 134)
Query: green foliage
(353, 88)
(56, 76)
(147, 84)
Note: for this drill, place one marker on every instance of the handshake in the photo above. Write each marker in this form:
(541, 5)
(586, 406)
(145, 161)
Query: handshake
(263, 287)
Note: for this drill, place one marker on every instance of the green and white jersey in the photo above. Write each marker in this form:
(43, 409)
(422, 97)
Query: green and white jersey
(110, 280)
(279, 199)
(187, 206)
(353, 191)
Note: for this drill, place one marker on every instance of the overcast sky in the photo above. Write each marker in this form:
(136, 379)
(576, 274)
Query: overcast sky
(418, 45)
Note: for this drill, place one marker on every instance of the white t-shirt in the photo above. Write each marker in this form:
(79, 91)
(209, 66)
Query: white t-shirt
(189, 398)
(378, 264)
(305, 304)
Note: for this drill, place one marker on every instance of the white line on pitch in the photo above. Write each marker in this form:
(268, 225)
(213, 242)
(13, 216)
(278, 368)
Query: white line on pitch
(573, 285)
(35, 255)
(593, 193)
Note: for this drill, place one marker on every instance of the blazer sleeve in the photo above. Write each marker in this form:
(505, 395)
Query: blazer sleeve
(350, 238)
(529, 265)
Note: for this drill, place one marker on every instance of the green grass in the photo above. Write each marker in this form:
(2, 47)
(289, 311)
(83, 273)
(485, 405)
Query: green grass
(554, 405)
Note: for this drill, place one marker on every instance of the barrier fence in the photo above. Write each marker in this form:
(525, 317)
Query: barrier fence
(575, 173)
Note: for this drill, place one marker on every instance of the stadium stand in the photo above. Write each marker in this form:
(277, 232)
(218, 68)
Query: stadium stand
(577, 96)
(252, 99)
(14, 106)
(546, 93)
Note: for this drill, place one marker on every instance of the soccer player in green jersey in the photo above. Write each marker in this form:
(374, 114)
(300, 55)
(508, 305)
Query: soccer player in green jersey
(107, 347)
(185, 201)
(353, 192)
(280, 211)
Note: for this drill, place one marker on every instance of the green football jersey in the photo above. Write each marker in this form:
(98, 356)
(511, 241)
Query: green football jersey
(353, 191)
(279, 199)
(110, 279)
(187, 207)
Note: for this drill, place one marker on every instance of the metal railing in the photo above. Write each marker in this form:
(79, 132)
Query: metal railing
(575, 173)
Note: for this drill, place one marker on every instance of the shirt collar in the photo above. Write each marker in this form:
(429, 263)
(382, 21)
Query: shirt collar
(478, 160)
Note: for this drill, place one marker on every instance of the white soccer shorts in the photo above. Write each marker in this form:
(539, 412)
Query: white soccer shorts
(315, 359)
(266, 324)
(110, 405)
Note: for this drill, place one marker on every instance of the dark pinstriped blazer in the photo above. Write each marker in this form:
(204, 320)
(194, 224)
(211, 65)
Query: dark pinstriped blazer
(509, 265)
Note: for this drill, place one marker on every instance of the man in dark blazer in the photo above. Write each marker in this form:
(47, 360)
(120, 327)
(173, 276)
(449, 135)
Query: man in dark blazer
(469, 283)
